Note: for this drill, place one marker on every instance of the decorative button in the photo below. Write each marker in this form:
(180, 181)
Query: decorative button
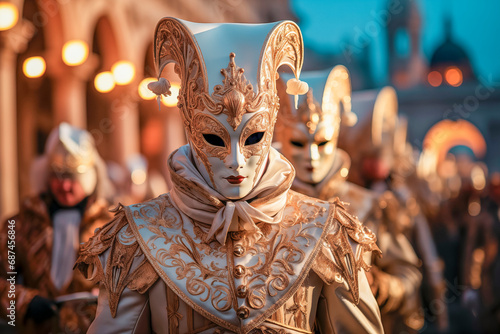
(236, 235)
(243, 312)
(239, 271)
(239, 250)
(242, 291)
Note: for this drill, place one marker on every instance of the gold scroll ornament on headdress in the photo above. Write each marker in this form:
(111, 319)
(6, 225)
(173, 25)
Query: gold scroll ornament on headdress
(235, 96)
(309, 112)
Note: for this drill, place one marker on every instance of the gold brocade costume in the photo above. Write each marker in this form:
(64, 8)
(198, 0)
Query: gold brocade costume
(313, 257)
(33, 249)
(230, 249)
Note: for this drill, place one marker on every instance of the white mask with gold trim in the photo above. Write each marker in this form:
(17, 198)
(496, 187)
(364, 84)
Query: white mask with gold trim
(228, 98)
(308, 134)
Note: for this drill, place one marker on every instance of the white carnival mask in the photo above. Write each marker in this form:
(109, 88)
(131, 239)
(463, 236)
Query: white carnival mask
(230, 130)
(308, 134)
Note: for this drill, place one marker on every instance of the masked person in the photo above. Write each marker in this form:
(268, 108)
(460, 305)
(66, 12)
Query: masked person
(308, 138)
(230, 249)
(372, 146)
(414, 196)
(71, 203)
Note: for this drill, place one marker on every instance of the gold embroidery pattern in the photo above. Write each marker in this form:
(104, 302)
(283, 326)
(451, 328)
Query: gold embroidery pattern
(299, 309)
(117, 238)
(339, 245)
(173, 314)
(198, 272)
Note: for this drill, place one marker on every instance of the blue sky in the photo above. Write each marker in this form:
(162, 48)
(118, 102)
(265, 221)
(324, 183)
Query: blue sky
(475, 26)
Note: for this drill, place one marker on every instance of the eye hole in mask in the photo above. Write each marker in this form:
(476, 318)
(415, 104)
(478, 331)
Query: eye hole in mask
(297, 143)
(323, 143)
(254, 138)
(214, 140)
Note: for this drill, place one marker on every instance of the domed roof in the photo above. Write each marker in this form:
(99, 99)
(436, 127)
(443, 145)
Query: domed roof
(449, 53)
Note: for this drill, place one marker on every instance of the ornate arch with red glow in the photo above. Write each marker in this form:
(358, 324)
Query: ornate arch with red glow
(447, 134)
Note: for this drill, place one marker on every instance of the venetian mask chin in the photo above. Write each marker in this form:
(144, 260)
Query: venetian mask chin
(231, 159)
(312, 154)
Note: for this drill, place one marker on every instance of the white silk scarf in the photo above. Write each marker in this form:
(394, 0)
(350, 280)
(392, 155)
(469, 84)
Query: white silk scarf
(196, 199)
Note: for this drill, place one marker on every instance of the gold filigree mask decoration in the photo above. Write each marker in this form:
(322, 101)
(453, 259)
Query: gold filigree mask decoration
(309, 112)
(230, 130)
(308, 134)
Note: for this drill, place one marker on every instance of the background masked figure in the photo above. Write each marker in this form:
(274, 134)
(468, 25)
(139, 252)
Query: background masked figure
(230, 249)
(71, 203)
(308, 138)
(372, 145)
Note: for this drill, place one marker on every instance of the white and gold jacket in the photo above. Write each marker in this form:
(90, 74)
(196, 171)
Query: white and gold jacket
(157, 274)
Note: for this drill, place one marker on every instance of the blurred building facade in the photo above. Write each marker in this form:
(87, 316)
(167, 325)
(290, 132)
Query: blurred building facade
(441, 87)
(82, 61)
(437, 92)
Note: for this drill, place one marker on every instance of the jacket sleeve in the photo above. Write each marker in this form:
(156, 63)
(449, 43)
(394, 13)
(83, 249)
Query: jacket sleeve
(113, 259)
(347, 304)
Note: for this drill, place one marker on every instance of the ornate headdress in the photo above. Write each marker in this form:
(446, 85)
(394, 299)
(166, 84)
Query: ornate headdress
(332, 88)
(377, 112)
(228, 69)
(70, 150)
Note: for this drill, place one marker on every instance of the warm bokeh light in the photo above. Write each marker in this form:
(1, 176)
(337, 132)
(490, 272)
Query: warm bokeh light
(75, 52)
(8, 15)
(34, 67)
(104, 82)
(453, 76)
(474, 208)
(138, 176)
(171, 101)
(123, 72)
(144, 91)
(344, 172)
(478, 178)
(435, 78)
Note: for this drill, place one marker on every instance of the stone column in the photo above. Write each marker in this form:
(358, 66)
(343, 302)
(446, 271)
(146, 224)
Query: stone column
(12, 42)
(69, 89)
(124, 125)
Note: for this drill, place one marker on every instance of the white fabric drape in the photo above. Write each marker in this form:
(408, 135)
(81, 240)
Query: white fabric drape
(66, 240)
(197, 200)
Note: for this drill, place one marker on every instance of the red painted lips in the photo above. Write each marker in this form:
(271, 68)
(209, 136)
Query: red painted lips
(235, 179)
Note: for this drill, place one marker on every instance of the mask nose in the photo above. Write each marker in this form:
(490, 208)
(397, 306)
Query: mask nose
(312, 154)
(236, 159)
